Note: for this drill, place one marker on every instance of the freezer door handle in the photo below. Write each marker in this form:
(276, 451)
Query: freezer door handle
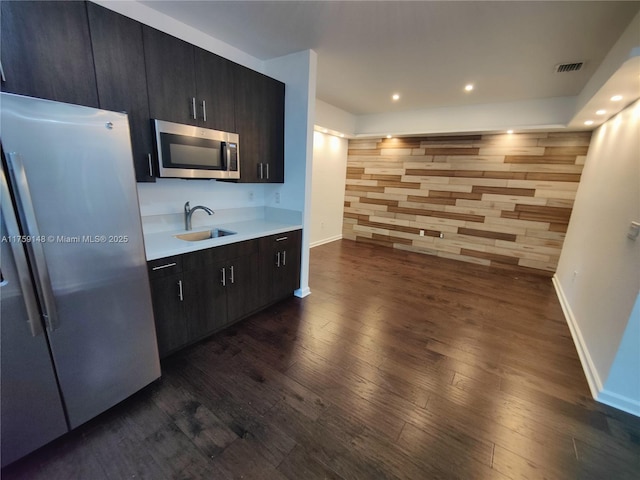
(20, 259)
(26, 213)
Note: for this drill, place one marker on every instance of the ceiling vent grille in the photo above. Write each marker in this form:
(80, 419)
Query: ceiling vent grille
(568, 67)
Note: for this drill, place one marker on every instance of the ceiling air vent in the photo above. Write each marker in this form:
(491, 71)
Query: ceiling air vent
(568, 67)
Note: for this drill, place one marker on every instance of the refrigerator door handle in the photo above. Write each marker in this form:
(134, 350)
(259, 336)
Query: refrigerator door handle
(24, 206)
(20, 259)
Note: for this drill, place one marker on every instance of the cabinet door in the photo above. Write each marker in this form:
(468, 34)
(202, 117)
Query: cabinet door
(214, 91)
(46, 51)
(243, 296)
(205, 300)
(274, 110)
(168, 298)
(287, 275)
(280, 265)
(122, 82)
(260, 123)
(170, 77)
(248, 123)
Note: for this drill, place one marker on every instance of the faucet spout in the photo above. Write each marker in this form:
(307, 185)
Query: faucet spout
(188, 212)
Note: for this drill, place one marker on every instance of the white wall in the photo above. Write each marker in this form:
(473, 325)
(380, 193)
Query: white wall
(334, 118)
(622, 387)
(327, 196)
(598, 276)
(619, 54)
(168, 195)
(298, 72)
(545, 114)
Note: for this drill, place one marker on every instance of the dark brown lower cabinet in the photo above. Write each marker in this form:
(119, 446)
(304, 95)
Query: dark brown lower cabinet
(199, 293)
(242, 286)
(280, 265)
(205, 303)
(165, 277)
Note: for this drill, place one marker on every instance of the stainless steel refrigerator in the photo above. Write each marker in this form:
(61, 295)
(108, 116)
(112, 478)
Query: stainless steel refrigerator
(77, 328)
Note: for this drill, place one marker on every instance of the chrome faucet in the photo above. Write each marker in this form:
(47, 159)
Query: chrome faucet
(188, 211)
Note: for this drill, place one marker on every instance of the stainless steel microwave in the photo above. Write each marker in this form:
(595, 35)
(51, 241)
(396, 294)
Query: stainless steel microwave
(185, 151)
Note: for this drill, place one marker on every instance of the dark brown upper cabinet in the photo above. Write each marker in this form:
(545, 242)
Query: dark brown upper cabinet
(46, 51)
(82, 53)
(259, 104)
(187, 84)
(171, 80)
(121, 77)
(214, 91)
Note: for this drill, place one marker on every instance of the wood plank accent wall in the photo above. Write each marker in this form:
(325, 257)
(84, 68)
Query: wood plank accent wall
(501, 200)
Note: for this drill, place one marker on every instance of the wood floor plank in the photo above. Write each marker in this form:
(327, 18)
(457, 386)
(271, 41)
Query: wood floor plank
(398, 366)
(459, 455)
(329, 447)
(300, 464)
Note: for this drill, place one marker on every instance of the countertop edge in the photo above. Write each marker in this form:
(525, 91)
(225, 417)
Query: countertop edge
(163, 244)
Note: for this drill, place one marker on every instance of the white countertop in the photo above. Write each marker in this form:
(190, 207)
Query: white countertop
(160, 244)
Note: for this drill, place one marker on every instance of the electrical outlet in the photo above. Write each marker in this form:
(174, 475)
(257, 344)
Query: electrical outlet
(441, 235)
(422, 233)
(251, 196)
(277, 197)
(575, 274)
(321, 225)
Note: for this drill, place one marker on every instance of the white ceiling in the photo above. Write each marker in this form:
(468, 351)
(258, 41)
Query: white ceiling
(426, 51)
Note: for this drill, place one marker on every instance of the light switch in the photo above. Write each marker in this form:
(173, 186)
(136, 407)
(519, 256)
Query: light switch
(634, 230)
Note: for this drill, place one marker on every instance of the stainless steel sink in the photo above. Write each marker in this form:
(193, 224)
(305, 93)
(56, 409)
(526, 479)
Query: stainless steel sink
(204, 235)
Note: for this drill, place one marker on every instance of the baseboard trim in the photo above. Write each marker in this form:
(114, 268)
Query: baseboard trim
(302, 292)
(325, 240)
(620, 402)
(593, 379)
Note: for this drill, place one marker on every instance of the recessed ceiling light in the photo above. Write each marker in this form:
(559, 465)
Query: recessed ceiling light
(616, 98)
(389, 136)
(601, 112)
(469, 87)
(509, 132)
(395, 97)
(342, 135)
(589, 122)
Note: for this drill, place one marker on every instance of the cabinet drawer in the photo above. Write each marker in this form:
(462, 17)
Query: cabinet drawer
(281, 240)
(223, 253)
(164, 267)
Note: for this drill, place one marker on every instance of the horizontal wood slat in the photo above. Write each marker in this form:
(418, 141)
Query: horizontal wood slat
(521, 192)
(501, 200)
(509, 237)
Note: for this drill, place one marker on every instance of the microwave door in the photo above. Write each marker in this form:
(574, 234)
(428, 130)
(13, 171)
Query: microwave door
(191, 152)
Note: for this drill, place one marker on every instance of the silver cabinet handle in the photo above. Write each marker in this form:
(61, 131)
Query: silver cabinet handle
(27, 215)
(193, 108)
(278, 259)
(2, 77)
(232, 276)
(167, 265)
(20, 259)
(180, 293)
(204, 110)
(267, 170)
(150, 164)
(224, 277)
(281, 239)
(284, 258)
(261, 170)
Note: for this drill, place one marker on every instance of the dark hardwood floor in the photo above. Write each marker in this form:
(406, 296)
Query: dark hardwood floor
(397, 366)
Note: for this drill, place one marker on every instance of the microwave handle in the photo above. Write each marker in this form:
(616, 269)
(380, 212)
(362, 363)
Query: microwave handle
(225, 155)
